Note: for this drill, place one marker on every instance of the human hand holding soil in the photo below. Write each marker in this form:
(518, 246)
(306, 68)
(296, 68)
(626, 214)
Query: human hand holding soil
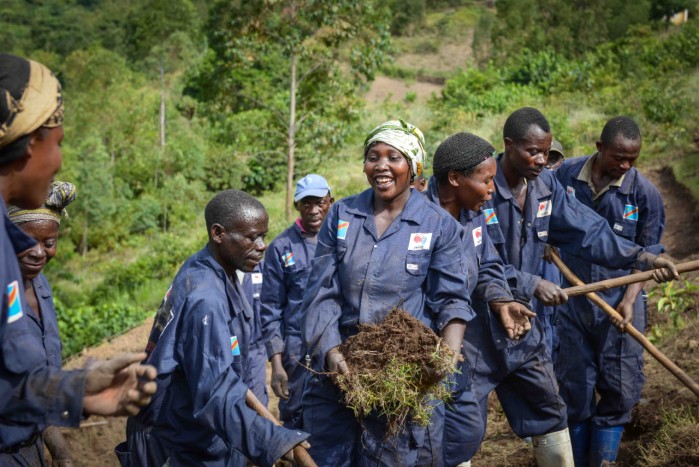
(279, 380)
(120, 386)
(335, 362)
(514, 317)
(453, 334)
(549, 293)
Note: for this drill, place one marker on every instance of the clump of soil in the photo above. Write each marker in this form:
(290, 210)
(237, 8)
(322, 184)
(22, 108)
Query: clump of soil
(396, 369)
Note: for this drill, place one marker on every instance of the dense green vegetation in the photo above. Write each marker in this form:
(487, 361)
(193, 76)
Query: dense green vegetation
(171, 101)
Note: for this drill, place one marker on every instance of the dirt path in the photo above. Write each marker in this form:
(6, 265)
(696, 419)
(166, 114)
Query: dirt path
(93, 444)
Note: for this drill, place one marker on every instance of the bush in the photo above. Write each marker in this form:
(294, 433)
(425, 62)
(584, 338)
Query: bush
(86, 326)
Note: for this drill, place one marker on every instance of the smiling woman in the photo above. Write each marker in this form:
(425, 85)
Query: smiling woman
(385, 248)
(42, 225)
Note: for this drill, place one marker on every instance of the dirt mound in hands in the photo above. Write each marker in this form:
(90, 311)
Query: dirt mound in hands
(396, 368)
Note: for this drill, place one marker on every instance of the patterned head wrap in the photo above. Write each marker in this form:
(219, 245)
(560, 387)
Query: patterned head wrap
(30, 97)
(61, 194)
(407, 138)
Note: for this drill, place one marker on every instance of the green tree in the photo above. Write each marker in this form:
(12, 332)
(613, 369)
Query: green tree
(284, 58)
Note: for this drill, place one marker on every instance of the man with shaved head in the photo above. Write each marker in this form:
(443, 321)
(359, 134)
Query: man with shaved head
(199, 343)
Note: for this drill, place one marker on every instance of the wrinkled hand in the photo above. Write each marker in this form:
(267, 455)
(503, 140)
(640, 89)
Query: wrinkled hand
(289, 456)
(279, 380)
(120, 386)
(665, 270)
(514, 317)
(625, 309)
(549, 293)
(335, 362)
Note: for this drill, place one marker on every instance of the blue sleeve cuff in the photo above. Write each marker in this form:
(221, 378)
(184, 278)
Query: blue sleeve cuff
(284, 441)
(274, 346)
(66, 403)
(454, 311)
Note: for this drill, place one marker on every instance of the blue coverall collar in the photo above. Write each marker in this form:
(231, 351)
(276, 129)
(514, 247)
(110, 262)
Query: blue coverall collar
(500, 181)
(233, 290)
(535, 189)
(364, 206)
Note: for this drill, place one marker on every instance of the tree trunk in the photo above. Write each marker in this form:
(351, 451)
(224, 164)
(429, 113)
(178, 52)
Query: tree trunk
(291, 139)
(162, 124)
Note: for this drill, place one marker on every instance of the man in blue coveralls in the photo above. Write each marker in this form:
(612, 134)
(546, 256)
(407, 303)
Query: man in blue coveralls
(594, 354)
(256, 375)
(529, 209)
(287, 267)
(199, 343)
(34, 394)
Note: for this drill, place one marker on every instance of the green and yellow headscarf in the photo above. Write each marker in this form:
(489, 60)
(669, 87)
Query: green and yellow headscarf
(407, 138)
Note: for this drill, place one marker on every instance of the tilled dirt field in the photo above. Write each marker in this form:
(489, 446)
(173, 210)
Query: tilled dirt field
(92, 445)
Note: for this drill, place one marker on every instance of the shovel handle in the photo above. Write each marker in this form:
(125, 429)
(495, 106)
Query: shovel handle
(625, 280)
(632, 331)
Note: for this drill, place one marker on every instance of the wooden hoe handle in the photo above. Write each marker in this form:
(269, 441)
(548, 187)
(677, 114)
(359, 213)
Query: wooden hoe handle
(626, 280)
(632, 331)
(301, 456)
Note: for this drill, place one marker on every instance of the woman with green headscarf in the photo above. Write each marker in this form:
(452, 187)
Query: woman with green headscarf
(383, 248)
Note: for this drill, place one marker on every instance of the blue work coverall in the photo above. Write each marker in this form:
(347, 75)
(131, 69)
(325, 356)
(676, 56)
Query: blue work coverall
(287, 266)
(466, 415)
(256, 375)
(418, 265)
(199, 344)
(594, 355)
(530, 398)
(34, 392)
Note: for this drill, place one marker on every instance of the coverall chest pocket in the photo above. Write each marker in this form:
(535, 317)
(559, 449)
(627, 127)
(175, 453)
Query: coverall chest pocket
(297, 278)
(625, 228)
(416, 264)
(541, 228)
(495, 234)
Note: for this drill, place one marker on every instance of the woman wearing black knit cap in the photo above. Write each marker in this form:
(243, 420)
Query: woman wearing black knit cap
(34, 394)
(464, 169)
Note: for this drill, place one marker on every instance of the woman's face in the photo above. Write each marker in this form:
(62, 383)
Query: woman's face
(387, 171)
(43, 161)
(33, 260)
(474, 189)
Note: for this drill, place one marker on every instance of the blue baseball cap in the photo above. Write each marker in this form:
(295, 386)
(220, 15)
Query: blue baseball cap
(311, 185)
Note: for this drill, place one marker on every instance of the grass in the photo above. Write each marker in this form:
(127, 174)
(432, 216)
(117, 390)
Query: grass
(397, 392)
(686, 171)
(676, 443)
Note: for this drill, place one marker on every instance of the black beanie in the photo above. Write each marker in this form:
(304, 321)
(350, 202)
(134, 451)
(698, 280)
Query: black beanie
(460, 152)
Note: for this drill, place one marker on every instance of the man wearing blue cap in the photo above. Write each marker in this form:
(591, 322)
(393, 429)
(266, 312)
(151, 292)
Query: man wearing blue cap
(286, 269)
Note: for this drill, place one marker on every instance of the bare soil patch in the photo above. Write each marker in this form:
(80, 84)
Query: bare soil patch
(395, 90)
